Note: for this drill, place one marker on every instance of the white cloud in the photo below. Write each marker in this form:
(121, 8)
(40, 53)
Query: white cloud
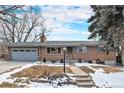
(64, 14)
(58, 16)
(85, 33)
(68, 34)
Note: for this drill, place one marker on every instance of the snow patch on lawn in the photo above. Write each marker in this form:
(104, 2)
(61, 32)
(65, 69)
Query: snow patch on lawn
(53, 82)
(88, 64)
(103, 80)
(48, 85)
(55, 64)
(5, 77)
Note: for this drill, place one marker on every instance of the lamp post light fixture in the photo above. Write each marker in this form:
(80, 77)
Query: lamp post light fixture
(64, 51)
(120, 48)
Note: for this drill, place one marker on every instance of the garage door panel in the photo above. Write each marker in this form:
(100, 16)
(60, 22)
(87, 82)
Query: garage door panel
(24, 54)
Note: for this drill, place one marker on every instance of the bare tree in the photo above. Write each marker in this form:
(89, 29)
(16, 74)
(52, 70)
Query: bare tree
(6, 11)
(28, 27)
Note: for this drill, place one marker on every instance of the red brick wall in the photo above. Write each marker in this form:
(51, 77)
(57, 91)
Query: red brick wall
(92, 54)
(49, 56)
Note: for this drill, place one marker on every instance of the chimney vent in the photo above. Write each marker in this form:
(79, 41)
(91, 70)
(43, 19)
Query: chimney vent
(42, 38)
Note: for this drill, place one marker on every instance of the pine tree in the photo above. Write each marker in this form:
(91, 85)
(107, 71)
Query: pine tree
(107, 24)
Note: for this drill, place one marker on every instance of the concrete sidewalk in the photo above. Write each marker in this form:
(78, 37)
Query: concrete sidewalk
(77, 70)
(8, 65)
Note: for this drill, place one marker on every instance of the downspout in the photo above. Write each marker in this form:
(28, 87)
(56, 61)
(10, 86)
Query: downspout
(39, 53)
(122, 54)
(122, 57)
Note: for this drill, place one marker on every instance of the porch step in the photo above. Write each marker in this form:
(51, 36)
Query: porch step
(87, 84)
(81, 76)
(83, 79)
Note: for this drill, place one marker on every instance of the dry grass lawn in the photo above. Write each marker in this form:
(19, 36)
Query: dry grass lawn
(33, 74)
(87, 70)
(105, 68)
(40, 71)
(8, 85)
(108, 69)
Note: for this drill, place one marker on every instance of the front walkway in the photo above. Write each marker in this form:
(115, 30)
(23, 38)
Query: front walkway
(77, 71)
(8, 65)
(82, 79)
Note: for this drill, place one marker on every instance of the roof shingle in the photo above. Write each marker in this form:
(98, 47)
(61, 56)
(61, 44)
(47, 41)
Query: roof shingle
(56, 43)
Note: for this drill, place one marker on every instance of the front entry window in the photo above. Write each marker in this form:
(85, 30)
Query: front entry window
(69, 49)
(54, 50)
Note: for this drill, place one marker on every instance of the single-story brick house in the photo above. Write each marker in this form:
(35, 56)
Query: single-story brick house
(53, 51)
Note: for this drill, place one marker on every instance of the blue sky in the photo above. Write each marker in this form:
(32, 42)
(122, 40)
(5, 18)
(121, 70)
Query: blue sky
(68, 22)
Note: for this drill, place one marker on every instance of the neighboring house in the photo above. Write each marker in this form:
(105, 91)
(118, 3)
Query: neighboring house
(3, 51)
(53, 51)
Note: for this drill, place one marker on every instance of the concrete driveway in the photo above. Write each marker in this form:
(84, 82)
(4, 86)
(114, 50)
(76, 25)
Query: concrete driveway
(8, 65)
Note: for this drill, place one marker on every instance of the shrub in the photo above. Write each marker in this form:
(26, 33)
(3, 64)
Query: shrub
(102, 62)
(90, 61)
(44, 60)
(53, 61)
(98, 61)
(79, 60)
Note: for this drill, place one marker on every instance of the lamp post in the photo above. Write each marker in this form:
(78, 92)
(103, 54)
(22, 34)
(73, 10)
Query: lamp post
(64, 51)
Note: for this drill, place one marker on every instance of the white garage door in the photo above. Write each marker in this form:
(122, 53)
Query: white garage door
(24, 54)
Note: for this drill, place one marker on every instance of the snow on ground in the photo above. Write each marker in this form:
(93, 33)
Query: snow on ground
(5, 77)
(56, 64)
(48, 85)
(103, 80)
(59, 82)
(88, 64)
(56, 83)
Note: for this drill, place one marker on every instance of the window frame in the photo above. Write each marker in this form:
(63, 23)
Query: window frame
(21, 50)
(15, 50)
(99, 50)
(28, 50)
(56, 52)
(80, 49)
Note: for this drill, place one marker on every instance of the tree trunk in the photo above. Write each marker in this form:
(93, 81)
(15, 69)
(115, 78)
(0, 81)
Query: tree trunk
(122, 57)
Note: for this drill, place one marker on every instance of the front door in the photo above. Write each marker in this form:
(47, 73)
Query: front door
(69, 53)
(119, 59)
